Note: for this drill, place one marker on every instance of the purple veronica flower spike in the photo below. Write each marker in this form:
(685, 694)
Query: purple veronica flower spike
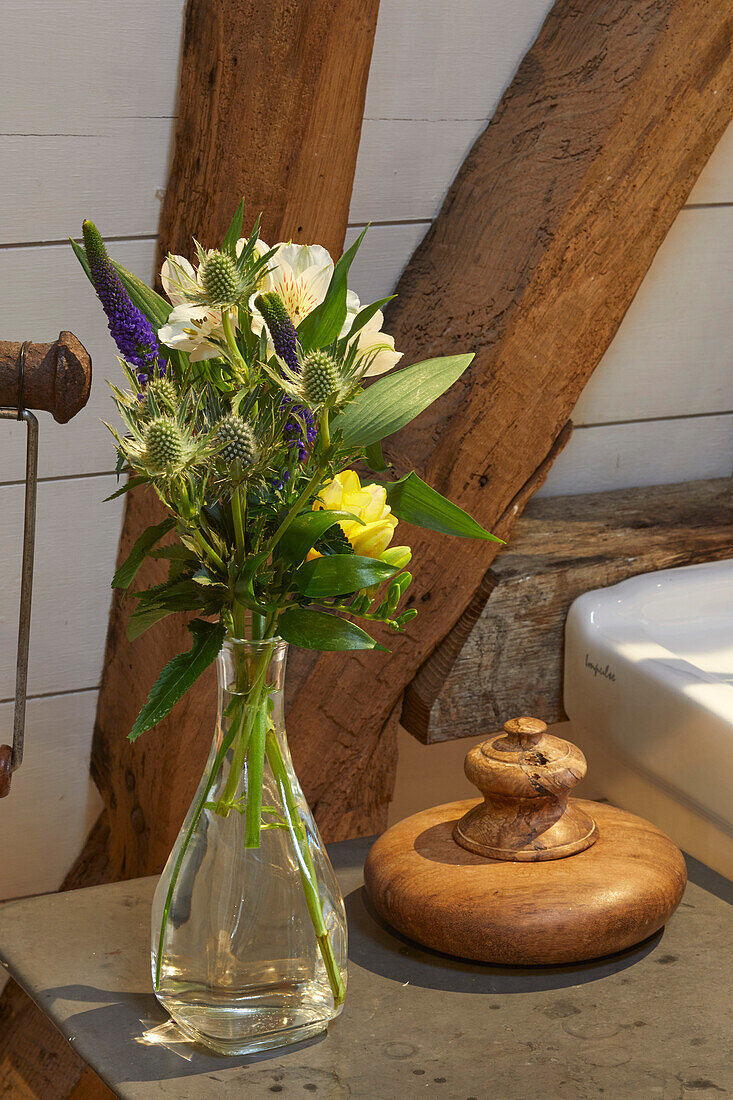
(281, 328)
(130, 329)
(285, 341)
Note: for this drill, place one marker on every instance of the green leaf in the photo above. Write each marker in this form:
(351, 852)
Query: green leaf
(234, 232)
(365, 315)
(374, 458)
(131, 483)
(415, 502)
(312, 629)
(145, 617)
(307, 528)
(397, 398)
(179, 675)
(339, 574)
(176, 552)
(244, 590)
(321, 327)
(126, 573)
(155, 308)
(204, 577)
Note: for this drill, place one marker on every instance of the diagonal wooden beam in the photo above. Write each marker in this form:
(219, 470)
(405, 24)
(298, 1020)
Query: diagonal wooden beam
(538, 250)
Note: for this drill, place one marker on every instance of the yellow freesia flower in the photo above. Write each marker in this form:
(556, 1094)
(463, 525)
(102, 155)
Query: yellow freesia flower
(345, 493)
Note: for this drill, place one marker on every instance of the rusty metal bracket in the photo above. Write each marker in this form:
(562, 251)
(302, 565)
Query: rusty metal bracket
(12, 757)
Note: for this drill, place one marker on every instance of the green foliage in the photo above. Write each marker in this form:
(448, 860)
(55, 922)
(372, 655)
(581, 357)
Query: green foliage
(320, 630)
(234, 232)
(321, 327)
(241, 450)
(396, 399)
(333, 542)
(340, 574)
(415, 502)
(306, 529)
(179, 675)
(150, 536)
(374, 457)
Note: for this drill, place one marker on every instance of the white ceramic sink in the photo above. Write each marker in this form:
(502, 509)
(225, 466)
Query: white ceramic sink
(649, 691)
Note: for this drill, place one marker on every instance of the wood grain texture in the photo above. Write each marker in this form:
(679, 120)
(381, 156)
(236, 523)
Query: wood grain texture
(507, 656)
(545, 236)
(525, 776)
(273, 111)
(605, 899)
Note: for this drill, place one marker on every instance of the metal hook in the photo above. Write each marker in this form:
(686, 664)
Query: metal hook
(11, 759)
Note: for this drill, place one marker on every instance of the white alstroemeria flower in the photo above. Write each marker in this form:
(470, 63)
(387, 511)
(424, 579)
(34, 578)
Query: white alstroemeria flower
(371, 341)
(178, 277)
(192, 329)
(300, 273)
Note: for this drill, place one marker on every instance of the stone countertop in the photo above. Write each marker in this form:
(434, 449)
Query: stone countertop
(653, 1022)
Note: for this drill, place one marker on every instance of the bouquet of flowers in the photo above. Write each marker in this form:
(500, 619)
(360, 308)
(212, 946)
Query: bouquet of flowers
(249, 395)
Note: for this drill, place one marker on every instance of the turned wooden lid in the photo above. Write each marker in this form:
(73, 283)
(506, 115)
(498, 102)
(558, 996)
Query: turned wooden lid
(525, 776)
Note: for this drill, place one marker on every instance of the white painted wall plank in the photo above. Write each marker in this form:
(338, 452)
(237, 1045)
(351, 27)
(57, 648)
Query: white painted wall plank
(382, 257)
(72, 63)
(76, 545)
(53, 802)
(404, 168)
(114, 175)
(673, 353)
(44, 290)
(434, 59)
(658, 452)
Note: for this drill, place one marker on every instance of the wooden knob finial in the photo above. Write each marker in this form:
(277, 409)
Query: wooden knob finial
(522, 733)
(525, 776)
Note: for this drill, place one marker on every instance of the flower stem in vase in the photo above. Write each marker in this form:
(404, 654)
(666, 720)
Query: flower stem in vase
(307, 869)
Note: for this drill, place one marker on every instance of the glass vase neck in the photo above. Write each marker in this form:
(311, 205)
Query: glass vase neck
(246, 665)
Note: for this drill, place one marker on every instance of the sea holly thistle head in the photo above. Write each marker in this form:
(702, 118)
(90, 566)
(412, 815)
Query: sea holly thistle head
(236, 440)
(225, 279)
(320, 379)
(220, 280)
(161, 396)
(324, 379)
(165, 444)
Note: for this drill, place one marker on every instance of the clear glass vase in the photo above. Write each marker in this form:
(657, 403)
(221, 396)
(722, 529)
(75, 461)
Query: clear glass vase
(248, 923)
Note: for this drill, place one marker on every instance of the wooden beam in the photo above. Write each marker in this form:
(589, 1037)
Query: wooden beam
(270, 105)
(539, 248)
(510, 659)
(270, 109)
